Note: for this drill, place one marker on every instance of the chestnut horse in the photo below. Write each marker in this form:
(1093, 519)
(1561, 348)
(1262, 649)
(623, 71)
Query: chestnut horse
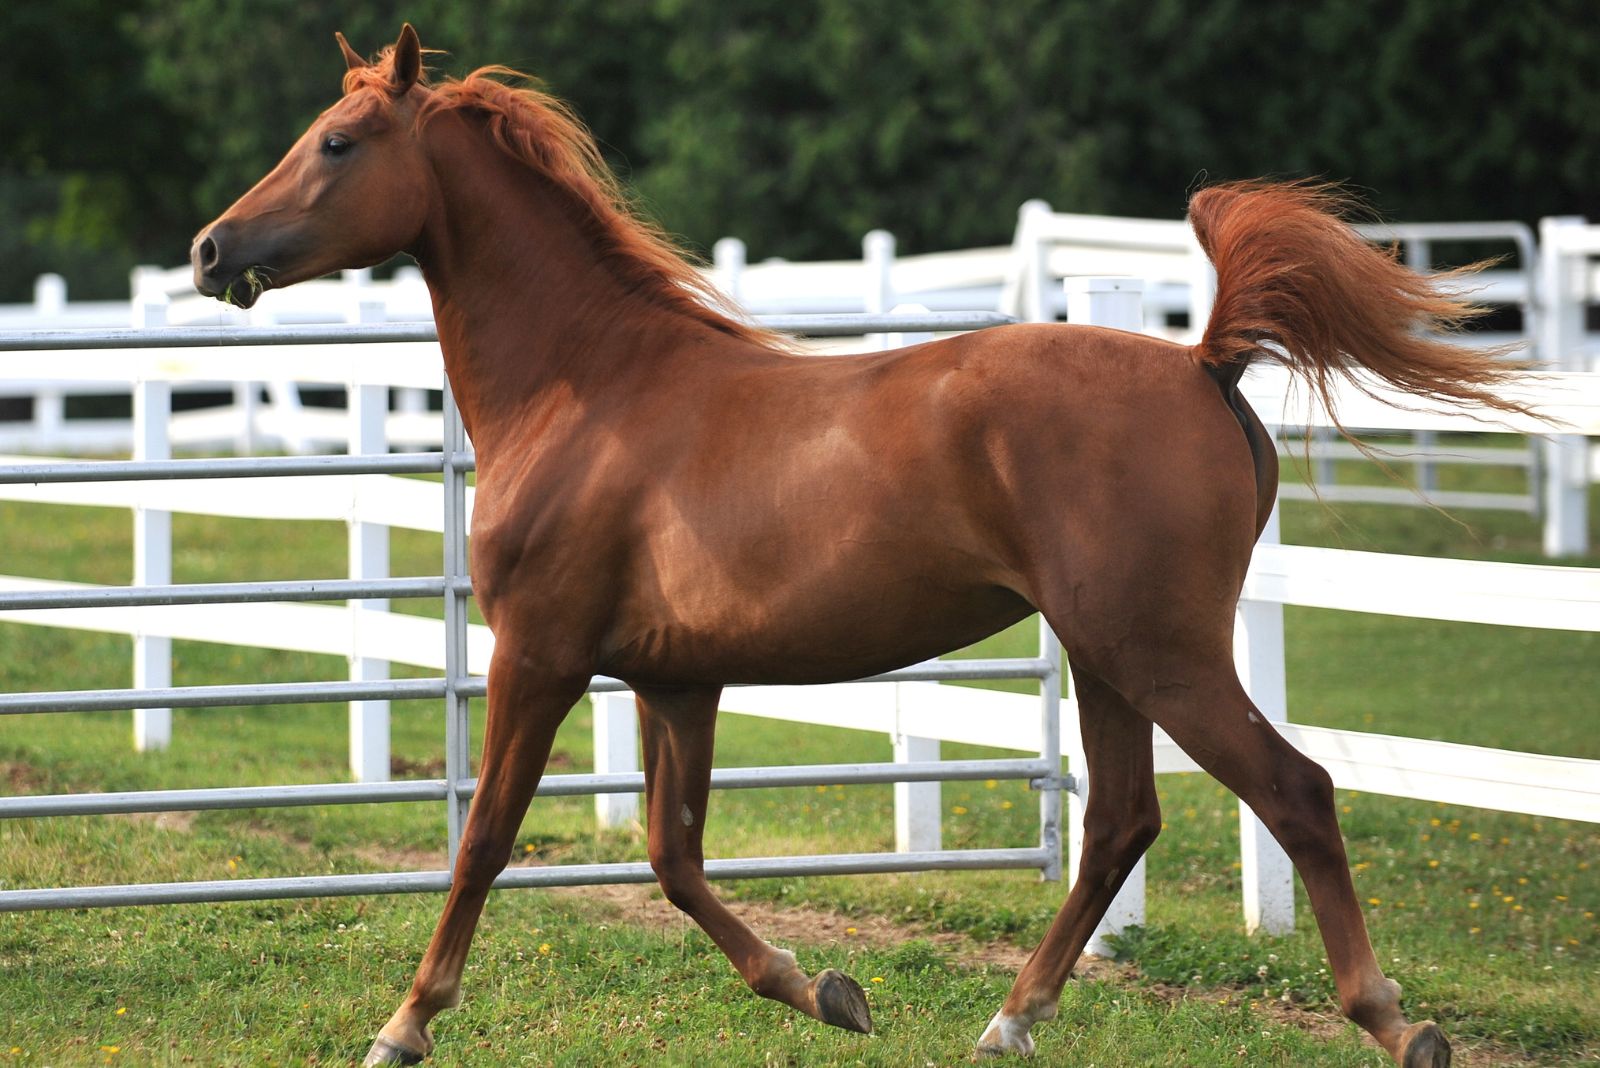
(668, 495)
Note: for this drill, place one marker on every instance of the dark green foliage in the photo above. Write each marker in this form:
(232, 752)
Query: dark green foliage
(800, 126)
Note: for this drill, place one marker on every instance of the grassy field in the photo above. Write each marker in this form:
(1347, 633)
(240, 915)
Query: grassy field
(1488, 921)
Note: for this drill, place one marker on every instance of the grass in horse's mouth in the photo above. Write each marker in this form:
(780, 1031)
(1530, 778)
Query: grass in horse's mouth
(255, 278)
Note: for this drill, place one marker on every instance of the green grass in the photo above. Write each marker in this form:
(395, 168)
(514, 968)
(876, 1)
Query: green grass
(284, 982)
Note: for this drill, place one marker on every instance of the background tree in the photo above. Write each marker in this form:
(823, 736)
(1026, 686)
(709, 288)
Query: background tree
(800, 126)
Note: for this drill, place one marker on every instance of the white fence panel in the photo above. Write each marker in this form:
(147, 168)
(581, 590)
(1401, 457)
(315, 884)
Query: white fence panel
(152, 542)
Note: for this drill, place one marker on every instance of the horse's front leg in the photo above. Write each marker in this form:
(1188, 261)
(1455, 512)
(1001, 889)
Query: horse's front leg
(676, 728)
(525, 708)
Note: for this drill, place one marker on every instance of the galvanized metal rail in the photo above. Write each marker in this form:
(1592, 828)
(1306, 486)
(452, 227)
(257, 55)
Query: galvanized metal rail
(457, 687)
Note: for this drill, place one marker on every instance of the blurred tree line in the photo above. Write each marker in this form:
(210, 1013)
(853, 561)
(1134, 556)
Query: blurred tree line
(798, 126)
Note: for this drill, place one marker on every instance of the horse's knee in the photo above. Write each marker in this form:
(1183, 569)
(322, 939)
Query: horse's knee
(1112, 845)
(481, 861)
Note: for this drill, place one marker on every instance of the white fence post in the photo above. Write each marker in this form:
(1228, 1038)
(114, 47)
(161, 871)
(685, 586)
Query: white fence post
(1117, 303)
(917, 805)
(152, 539)
(49, 405)
(1266, 872)
(616, 751)
(1561, 336)
(728, 260)
(1036, 291)
(877, 266)
(368, 407)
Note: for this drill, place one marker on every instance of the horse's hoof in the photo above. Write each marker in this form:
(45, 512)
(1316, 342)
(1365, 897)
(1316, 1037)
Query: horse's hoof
(841, 1002)
(384, 1051)
(1004, 1036)
(1424, 1046)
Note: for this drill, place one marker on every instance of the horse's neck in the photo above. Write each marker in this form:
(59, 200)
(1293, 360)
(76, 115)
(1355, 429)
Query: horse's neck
(528, 311)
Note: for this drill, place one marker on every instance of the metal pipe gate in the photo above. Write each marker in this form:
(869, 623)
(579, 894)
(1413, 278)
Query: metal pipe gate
(456, 687)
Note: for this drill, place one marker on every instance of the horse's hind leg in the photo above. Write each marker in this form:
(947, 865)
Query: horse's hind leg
(524, 712)
(676, 729)
(1122, 819)
(1197, 699)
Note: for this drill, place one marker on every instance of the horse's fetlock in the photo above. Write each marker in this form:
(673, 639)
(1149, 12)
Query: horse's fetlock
(1374, 1006)
(777, 976)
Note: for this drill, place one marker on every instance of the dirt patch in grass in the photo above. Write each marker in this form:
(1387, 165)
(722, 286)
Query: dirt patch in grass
(643, 906)
(21, 778)
(432, 767)
(388, 858)
(166, 821)
(403, 767)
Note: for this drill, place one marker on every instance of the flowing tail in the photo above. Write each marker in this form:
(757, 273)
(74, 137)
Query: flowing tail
(1292, 275)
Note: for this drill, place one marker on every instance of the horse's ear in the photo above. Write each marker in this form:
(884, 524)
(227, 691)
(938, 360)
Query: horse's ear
(352, 58)
(407, 60)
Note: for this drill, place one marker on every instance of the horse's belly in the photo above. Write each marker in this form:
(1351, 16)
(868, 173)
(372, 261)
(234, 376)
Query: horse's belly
(821, 628)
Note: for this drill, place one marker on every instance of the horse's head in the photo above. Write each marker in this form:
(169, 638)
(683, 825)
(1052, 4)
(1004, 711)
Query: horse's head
(352, 192)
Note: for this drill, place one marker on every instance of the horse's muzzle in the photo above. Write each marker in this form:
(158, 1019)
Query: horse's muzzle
(221, 274)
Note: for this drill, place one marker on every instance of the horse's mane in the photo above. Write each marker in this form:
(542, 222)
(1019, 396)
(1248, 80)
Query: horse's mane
(542, 132)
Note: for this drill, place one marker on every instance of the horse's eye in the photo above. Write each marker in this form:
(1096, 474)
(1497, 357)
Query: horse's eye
(336, 145)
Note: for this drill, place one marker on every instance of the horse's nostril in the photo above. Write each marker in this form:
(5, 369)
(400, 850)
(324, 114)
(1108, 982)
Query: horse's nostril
(208, 254)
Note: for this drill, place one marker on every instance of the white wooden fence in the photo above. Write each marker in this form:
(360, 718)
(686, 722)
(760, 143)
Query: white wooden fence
(918, 716)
